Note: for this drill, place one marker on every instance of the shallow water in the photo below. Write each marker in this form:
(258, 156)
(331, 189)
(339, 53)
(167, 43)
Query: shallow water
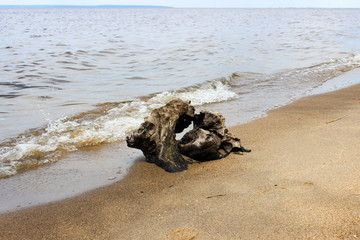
(76, 173)
(74, 78)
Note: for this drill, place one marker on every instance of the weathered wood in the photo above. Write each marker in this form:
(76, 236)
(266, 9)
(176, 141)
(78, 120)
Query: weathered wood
(201, 145)
(208, 140)
(156, 136)
(209, 135)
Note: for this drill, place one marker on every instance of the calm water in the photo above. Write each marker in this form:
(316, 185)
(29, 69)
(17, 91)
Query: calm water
(72, 78)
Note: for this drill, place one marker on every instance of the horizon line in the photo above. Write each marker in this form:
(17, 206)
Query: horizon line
(154, 6)
(80, 6)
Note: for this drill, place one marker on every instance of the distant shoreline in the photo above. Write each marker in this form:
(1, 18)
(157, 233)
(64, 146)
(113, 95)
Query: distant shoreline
(82, 6)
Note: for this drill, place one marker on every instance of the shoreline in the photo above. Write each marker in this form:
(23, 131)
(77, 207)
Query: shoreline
(299, 181)
(75, 174)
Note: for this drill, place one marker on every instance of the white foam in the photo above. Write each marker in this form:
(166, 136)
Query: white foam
(6, 171)
(343, 81)
(209, 93)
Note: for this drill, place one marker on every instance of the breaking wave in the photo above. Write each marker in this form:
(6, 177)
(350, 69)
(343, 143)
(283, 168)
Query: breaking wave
(109, 122)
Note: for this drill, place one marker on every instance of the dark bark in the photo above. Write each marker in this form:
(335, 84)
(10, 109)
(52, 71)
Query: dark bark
(156, 136)
(209, 135)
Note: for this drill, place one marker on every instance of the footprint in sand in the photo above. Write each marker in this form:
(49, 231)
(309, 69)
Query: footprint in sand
(306, 186)
(182, 234)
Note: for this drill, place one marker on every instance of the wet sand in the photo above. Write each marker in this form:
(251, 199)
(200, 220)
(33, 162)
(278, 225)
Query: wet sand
(300, 181)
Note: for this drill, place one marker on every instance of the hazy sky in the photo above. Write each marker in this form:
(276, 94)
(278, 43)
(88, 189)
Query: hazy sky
(197, 3)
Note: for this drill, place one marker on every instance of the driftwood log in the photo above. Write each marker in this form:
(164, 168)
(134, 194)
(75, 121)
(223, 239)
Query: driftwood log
(208, 137)
(156, 136)
(208, 140)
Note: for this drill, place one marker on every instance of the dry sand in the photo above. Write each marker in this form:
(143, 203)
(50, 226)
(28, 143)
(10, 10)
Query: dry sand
(301, 181)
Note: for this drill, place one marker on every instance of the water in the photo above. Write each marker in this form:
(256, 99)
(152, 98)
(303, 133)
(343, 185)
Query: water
(74, 78)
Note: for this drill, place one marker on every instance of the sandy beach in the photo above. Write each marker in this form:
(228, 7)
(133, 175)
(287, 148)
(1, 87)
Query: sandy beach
(301, 181)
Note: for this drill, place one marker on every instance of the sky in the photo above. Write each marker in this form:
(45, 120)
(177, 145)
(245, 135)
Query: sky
(199, 3)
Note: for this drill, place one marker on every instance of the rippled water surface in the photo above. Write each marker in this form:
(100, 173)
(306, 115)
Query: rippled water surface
(71, 78)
